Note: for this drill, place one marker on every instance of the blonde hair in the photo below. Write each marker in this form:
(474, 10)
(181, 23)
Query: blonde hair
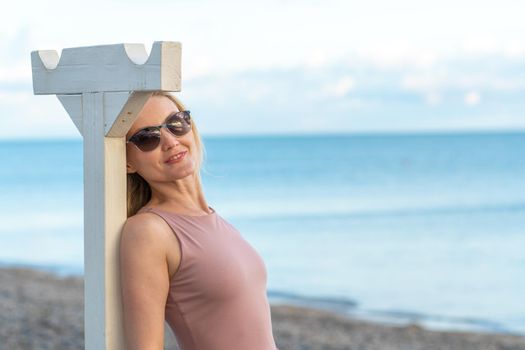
(138, 189)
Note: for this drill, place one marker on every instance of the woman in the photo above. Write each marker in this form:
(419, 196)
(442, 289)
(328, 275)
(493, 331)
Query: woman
(180, 260)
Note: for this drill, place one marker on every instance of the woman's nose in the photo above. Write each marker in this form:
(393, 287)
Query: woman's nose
(167, 139)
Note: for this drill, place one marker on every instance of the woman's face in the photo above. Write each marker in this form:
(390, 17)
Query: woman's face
(153, 165)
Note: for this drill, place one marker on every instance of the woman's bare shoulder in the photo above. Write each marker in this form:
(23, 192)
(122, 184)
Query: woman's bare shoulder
(148, 235)
(144, 226)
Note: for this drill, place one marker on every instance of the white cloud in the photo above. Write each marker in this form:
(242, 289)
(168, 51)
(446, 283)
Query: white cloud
(15, 97)
(15, 73)
(515, 50)
(340, 88)
(317, 59)
(423, 81)
(472, 98)
(492, 72)
(231, 36)
(379, 55)
(258, 92)
(433, 98)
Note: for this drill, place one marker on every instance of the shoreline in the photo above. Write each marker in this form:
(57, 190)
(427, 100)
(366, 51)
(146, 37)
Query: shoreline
(40, 310)
(432, 322)
(345, 307)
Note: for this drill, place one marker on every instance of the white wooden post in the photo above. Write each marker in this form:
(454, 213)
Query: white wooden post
(103, 88)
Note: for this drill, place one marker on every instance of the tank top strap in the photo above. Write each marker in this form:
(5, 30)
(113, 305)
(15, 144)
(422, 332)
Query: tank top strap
(144, 209)
(168, 218)
(155, 210)
(184, 226)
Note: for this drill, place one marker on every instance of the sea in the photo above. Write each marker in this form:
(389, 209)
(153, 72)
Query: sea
(424, 229)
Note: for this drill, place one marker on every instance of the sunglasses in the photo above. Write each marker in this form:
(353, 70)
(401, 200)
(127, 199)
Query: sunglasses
(148, 138)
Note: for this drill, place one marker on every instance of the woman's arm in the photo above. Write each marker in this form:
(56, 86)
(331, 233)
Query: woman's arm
(144, 281)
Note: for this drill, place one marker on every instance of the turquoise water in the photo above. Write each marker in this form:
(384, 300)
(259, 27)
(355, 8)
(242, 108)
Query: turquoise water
(396, 228)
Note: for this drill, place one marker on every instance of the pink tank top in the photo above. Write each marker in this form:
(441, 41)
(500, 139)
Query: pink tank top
(217, 298)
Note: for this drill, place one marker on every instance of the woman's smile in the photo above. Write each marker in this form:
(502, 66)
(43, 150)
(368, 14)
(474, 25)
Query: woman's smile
(176, 158)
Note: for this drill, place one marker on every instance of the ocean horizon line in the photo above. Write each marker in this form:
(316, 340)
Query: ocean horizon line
(371, 133)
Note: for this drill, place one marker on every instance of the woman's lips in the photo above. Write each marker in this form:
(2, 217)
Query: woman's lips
(176, 158)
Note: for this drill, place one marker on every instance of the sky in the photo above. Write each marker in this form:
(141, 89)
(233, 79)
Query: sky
(289, 66)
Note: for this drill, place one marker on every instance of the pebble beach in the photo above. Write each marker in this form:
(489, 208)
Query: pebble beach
(40, 310)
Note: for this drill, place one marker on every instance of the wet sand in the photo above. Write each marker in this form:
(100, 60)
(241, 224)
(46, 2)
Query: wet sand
(39, 310)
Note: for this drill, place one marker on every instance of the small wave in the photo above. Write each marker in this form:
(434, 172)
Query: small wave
(350, 308)
(379, 212)
(322, 301)
(439, 321)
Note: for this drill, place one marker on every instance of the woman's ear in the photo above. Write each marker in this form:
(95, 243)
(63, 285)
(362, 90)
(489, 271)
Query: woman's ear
(130, 169)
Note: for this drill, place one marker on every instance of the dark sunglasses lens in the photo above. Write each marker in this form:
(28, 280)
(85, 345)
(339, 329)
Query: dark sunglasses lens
(179, 123)
(147, 140)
